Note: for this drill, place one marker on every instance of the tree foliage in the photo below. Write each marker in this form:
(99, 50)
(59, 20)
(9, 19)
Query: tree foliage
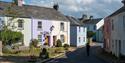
(90, 34)
(9, 37)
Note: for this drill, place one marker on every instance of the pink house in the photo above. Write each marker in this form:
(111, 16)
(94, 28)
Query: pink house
(107, 34)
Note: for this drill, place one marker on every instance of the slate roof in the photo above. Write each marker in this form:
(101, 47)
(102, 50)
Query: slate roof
(122, 9)
(74, 21)
(91, 21)
(37, 12)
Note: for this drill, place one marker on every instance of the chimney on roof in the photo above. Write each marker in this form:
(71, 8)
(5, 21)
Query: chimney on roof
(84, 16)
(123, 1)
(18, 2)
(56, 7)
(91, 17)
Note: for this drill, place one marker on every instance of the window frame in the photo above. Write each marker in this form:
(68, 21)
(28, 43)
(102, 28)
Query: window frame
(20, 24)
(62, 27)
(124, 22)
(39, 25)
(83, 39)
(62, 38)
(79, 29)
(94, 27)
(112, 24)
(39, 38)
(79, 39)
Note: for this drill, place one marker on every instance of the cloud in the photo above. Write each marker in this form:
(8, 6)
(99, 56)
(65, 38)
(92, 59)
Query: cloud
(97, 8)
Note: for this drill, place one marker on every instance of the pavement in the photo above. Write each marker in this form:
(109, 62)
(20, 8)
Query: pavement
(79, 56)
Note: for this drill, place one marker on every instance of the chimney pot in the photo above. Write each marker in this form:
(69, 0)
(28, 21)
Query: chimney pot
(20, 2)
(123, 1)
(56, 6)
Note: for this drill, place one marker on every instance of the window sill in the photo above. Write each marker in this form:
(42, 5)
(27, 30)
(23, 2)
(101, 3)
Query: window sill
(20, 28)
(39, 29)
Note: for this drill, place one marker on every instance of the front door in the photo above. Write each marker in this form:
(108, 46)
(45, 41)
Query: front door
(54, 40)
(47, 40)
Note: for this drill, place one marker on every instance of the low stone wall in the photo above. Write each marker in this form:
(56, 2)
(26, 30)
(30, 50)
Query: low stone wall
(0, 48)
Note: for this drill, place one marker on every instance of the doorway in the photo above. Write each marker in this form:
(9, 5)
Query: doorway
(54, 40)
(47, 41)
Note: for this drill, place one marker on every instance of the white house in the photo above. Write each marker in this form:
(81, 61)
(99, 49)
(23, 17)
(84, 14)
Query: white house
(116, 40)
(78, 32)
(45, 24)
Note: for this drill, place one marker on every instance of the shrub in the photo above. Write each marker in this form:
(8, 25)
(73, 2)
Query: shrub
(9, 37)
(66, 46)
(34, 43)
(90, 34)
(44, 54)
(7, 49)
(59, 43)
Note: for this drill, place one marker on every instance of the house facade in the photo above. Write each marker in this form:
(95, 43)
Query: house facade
(45, 24)
(78, 33)
(115, 42)
(107, 34)
(49, 31)
(95, 25)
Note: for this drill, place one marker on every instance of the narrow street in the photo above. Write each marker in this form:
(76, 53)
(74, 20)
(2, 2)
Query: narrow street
(79, 56)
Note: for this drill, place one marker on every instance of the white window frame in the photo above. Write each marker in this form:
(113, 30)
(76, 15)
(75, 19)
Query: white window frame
(62, 38)
(83, 39)
(39, 25)
(62, 27)
(79, 39)
(20, 24)
(79, 29)
(40, 38)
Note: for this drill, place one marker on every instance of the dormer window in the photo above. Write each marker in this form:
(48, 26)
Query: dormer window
(20, 24)
(62, 26)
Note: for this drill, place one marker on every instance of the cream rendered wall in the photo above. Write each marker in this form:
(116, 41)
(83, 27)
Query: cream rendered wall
(56, 31)
(26, 31)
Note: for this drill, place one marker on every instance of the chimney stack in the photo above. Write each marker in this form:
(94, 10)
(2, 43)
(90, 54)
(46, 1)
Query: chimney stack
(19, 2)
(123, 1)
(91, 17)
(56, 7)
(84, 16)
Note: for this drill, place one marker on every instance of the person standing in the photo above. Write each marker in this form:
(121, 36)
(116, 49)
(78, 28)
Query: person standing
(87, 49)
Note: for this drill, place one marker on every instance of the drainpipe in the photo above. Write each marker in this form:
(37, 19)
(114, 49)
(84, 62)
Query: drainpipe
(31, 27)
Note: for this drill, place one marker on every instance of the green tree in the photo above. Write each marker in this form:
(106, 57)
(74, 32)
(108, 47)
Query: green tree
(90, 34)
(9, 37)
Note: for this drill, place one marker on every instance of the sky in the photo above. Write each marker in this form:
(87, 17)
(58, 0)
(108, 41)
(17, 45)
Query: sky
(76, 8)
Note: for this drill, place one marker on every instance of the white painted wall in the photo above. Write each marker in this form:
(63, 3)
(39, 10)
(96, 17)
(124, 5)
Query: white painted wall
(82, 34)
(118, 35)
(56, 31)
